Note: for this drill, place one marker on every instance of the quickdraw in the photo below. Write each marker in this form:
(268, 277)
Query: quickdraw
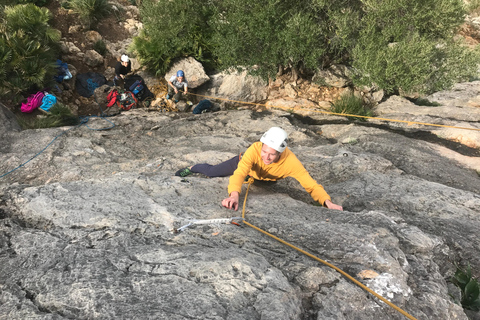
(210, 221)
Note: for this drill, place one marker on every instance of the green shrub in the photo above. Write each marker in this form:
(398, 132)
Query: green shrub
(401, 45)
(100, 47)
(411, 48)
(351, 104)
(173, 30)
(469, 287)
(39, 3)
(473, 7)
(28, 50)
(91, 11)
(58, 116)
(425, 102)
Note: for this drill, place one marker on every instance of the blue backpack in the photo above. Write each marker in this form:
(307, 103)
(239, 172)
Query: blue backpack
(136, 87)
(202, 106)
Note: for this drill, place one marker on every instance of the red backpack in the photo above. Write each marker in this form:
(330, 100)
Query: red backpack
(113, 98)
(33, 102)
(126, 100)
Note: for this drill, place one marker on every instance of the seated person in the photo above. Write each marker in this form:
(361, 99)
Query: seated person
(176, 84)
(268, 159)
(122, 68)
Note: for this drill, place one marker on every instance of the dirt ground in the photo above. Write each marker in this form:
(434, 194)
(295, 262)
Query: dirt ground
(109, 28)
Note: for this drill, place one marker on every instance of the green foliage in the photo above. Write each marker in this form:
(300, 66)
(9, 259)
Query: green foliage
(91, 11)
(172, 30)
(473, 7)
(398, 45)
(409, 47)
(27, 49)
(58, 116)
(100, 47)
(425, 102)
(39, 3)
(470, 288)
(351, 104)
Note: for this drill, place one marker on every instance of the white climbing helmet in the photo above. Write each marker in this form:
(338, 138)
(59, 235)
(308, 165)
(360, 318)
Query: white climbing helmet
(125, 58)
(275, 138)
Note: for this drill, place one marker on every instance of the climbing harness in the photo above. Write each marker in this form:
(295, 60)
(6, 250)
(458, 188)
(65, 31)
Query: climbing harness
(361, 285)
(210, 221)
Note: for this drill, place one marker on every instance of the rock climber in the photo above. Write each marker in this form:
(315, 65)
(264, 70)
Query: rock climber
(268, 159)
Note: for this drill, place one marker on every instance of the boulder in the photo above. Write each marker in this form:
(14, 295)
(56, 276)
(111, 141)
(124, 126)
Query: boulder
(235, 86)
(93, 36)
(335, 76)
(69, 47)
(93, 58)
(194, 72)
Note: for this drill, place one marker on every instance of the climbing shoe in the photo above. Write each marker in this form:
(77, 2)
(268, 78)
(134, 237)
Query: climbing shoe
(183, 172)
(168, 97)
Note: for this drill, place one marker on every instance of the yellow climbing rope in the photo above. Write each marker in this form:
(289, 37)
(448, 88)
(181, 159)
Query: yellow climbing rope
(339, 114)
(250, 181)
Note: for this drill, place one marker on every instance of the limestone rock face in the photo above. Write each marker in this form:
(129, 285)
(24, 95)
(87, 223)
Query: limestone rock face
(459, 107)
(86, 227)
(9, 123)
(236, 86)
(194, 72)
(335, 76)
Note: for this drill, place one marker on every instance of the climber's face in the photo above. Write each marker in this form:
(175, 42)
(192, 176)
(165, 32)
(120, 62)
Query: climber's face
(269, 155)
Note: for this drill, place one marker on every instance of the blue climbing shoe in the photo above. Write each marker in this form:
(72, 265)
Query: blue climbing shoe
(168, 97)
(183, 172)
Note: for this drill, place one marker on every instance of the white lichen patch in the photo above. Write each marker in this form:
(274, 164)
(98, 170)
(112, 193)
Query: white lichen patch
(387, 286)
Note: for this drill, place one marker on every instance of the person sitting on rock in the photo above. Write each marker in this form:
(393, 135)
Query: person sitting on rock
(122, 68)
(176, 84)
(268, 159)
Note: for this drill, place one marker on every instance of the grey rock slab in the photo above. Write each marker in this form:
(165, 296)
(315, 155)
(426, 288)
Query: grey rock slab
(87, 227)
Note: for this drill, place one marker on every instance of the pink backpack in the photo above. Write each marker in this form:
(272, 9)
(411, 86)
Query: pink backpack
(33, 102)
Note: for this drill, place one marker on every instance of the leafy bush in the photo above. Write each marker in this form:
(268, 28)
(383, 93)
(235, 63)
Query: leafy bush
(172, 30)
(470, 289)
(39, 3)
(425, 102)
(28, 50)
(473, 7)
(100, 47)
(400, 46)
(410, 48)
(272, 33)
(58, 116)
(91, 11)
(351, 104)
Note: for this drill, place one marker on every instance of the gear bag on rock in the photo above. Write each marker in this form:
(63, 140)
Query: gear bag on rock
(123, 99)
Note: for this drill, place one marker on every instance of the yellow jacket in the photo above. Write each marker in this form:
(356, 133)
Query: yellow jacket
(287, 166)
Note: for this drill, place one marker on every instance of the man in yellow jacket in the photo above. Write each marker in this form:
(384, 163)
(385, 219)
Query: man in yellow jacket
(268, 159)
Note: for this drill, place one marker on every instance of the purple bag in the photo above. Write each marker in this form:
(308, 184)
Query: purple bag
(33, 102)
